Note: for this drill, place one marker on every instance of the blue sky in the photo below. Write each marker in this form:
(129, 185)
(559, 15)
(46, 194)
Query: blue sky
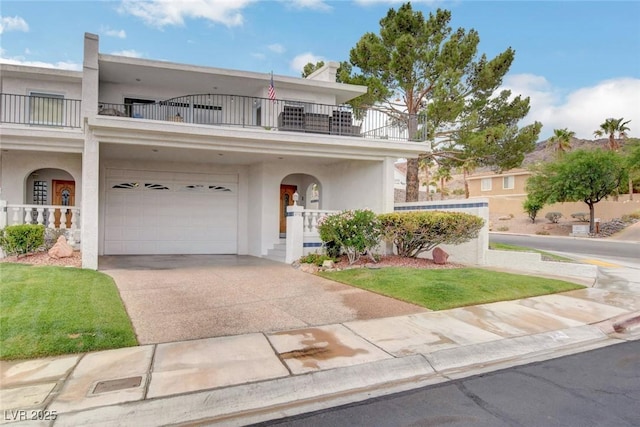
(579, 61)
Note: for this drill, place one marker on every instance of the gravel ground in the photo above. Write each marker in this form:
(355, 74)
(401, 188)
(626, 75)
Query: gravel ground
(43, 258)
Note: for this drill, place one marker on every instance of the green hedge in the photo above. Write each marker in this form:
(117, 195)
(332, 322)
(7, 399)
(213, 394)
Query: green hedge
(21, 239)
(415, 232)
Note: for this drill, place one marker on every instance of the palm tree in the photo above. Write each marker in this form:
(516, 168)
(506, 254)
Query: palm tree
(611, 127)
(561, 140)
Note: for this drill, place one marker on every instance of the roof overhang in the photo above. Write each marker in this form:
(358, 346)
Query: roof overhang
(253, 141)
(193, 79)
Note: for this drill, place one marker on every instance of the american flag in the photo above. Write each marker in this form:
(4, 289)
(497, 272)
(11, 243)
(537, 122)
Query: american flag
(272, 89)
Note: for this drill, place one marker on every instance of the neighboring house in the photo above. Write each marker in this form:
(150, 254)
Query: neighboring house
(509, 183)
(138, 156)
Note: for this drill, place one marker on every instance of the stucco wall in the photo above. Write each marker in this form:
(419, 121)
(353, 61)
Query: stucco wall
(17, 166)
(360, 185)
(520, 182)
(605, 210)
(23, 86)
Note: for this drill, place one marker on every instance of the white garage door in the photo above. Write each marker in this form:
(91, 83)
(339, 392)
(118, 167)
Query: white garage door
(149, 212)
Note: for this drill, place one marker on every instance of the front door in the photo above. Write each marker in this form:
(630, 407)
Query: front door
(64, 194)
(286, 199)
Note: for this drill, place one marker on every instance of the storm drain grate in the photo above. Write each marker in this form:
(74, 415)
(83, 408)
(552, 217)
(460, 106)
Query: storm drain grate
(119, 384)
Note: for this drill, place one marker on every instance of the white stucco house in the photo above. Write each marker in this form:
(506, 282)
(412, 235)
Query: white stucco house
(137, 156)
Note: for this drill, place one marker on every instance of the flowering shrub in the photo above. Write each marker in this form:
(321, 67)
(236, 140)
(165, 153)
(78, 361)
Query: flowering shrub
(356, 232)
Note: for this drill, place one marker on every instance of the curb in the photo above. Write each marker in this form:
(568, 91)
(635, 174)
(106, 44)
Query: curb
(628, 324)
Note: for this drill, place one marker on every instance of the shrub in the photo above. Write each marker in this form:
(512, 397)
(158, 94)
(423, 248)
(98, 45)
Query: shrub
(532, 206)
(580, 216)
(503, 228)
(317, 259)
(415, 232)
(458, 192)
(542, 233)
(631, 217)
(553, 216)
(356, 232)
(21, 239)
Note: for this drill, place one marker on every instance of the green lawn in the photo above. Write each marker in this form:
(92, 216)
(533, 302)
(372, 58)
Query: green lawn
(440, 289)
(546, 256)
(46, 311)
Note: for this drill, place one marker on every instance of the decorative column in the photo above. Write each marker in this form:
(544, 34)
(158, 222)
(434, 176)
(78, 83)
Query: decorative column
(3, 214)
(90, 155)
(295, 231)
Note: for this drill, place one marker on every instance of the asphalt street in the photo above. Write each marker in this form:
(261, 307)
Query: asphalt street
(599, 247)
(596, 388)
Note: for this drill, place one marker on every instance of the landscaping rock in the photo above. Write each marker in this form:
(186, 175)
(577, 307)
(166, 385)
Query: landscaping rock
(61, 249)
(328, 264)
(309, 268)
(440, 256)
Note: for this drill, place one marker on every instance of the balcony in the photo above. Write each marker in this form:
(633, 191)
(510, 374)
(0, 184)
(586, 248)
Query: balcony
(34, 110)
(223, 110)
(273, 115)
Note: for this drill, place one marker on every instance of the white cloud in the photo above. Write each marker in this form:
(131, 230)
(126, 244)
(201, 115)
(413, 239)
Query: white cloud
(129, 53)
(258, 55)
(62, 65)
(121, 34)
(320, 5)
(298, 63)
(276, 47)
(581, 110)
(392, 2)
(8, 23)
(159, 13)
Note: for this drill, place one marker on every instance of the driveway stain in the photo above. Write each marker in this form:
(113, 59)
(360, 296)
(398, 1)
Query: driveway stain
(318, 345)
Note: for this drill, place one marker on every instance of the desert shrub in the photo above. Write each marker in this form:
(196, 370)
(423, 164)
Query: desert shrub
(503, 228)
(553, 217)
(580, 216)
(314, 258)
(356, 232)
(458, 192)
(532, 206)
(634, 216)
(415, 232)
(21, 239)
(542, 233)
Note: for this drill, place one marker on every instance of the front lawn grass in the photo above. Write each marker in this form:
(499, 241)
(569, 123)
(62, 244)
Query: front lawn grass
(441, 289)
(47, 311)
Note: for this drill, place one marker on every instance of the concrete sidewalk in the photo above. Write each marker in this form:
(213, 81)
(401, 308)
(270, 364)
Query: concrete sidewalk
(254, 377)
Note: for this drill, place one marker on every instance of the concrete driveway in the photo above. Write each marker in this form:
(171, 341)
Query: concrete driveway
(183, 297)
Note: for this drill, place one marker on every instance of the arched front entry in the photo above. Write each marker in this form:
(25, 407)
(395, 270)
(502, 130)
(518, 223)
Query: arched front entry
(51, 187)
(308, 189)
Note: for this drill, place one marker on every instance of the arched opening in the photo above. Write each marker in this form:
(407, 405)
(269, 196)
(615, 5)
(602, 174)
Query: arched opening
(51, 187)
(309, 193)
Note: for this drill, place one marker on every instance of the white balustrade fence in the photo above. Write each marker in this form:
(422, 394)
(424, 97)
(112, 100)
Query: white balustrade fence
(310, 218)
(68, 216)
